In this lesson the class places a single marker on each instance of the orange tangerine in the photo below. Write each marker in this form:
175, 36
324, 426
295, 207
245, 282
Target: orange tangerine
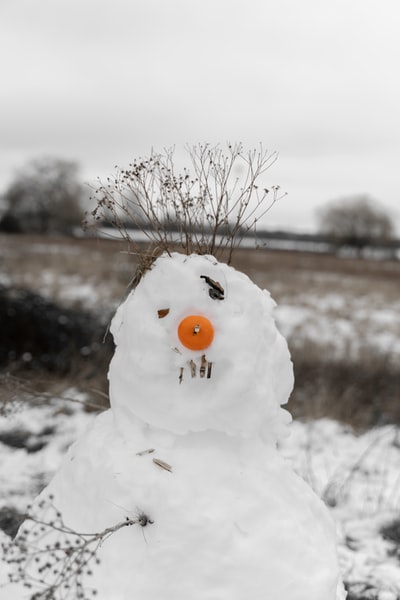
196, 332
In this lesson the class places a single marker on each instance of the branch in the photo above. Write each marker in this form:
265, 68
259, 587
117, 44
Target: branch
206, 208
50, 558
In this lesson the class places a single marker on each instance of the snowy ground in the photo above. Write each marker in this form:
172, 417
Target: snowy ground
358, 477
343, 324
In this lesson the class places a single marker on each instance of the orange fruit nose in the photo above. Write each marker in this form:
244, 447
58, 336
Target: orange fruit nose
196, 332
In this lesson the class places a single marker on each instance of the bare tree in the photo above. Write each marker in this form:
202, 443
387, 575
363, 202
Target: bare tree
355, 221
44, 197
206, 207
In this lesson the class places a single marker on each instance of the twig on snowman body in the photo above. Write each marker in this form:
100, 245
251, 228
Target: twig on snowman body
162, 464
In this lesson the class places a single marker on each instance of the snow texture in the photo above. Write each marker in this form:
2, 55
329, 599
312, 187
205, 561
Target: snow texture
251, 370
225, 516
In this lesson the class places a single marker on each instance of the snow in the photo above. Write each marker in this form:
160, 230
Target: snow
321, 320
356, 475
24, 473
248, 380
68, 288
189, 447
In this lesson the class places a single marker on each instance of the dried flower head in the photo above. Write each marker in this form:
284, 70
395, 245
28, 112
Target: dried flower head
205, 208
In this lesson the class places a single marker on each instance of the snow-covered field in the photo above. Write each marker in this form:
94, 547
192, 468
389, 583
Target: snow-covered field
357, 474
342, 323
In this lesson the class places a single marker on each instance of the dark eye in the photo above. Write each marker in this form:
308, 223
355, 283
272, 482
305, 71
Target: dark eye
216, 291
162, 312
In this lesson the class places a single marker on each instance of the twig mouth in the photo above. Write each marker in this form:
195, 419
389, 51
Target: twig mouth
202, 370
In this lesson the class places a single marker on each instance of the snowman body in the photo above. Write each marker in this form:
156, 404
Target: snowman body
189, 449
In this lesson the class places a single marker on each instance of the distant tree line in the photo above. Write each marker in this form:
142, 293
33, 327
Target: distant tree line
45, 197
357, 222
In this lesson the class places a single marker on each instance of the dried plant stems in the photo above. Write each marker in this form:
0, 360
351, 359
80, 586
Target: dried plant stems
52, 560
205, 209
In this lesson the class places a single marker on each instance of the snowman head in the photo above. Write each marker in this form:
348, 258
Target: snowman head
197, 349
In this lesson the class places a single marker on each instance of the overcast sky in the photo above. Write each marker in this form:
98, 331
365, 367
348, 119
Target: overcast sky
103, 81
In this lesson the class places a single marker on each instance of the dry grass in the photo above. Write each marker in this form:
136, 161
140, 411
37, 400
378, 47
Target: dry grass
110, 265
361, 388
288, 274
362, 392
50, 265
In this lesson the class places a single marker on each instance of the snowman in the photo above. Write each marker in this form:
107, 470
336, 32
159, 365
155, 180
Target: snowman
188, 451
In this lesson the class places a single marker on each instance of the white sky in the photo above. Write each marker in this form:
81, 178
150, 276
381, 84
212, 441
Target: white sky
101, 82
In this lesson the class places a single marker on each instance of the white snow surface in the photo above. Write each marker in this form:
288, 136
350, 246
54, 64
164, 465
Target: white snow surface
251, 376
230, 519
57, 422
358, 475
226, 516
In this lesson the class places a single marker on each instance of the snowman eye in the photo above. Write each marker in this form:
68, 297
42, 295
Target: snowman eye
162, 312
216, 291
